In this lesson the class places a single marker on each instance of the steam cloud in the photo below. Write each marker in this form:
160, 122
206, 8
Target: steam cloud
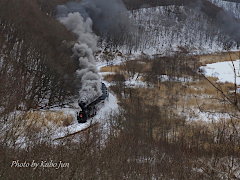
84, 51
109, 19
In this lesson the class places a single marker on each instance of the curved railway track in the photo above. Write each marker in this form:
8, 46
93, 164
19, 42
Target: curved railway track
87, 129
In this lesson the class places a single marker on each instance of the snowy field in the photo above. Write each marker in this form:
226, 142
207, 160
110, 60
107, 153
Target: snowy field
224, 71
52, 131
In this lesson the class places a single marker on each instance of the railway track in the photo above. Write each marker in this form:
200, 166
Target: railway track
78, 132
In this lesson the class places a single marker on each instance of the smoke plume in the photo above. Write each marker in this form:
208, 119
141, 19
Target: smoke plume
84, 50
110, 19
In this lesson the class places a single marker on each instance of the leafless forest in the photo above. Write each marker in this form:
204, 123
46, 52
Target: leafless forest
153, 134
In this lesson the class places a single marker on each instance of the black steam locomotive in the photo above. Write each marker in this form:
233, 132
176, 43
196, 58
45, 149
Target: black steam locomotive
90, 110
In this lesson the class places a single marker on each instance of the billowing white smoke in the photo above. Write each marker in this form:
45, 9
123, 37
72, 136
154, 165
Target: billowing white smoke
84, 51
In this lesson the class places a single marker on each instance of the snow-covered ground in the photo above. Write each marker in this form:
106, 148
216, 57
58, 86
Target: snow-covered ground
51, 131
135, 83
195, 114
109, 106
224, 71
164, 78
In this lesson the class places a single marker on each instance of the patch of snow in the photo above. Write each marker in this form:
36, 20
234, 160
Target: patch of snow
164, 78
197, 115
110, 105
101, 62
135, 83
224, 71
106, 73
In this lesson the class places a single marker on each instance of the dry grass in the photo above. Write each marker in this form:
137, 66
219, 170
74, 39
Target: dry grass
204, 87
109, 78
199, 94
192, 95
115, 68
218, 57
44, 118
